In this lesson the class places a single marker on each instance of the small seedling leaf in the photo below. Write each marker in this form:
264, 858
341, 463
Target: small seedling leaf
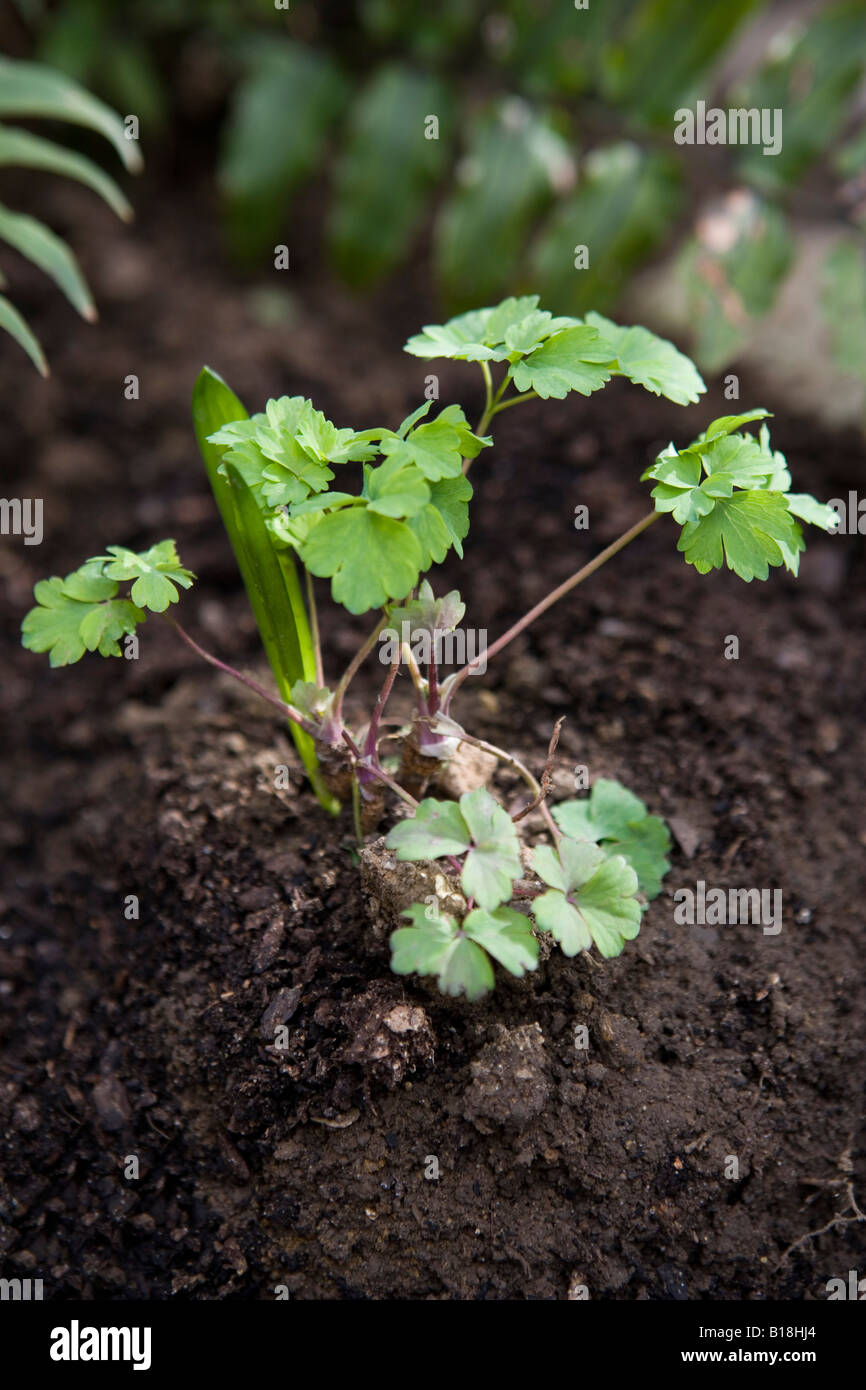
650, 361
617, 820
591, 900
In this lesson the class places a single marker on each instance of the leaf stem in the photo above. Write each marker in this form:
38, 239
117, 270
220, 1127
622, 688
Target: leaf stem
314, 627
356, 812
454, 682
379, 772
416, 677
514, 400
488, 396
288, 710
372, 739
538, 791
355, 664
494, 403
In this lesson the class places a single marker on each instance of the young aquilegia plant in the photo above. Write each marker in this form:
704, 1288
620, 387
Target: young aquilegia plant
273, 477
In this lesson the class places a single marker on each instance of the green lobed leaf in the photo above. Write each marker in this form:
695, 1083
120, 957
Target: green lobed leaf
572, 360
54, 625
591, 898
729, 461
479, 828
650, 361
750, 532
461, 339
369, 558
506, 935
283, 453
493, 862
619, 822
434, 945
438, 446
804, 506
106, 622
436, 829
315, 701
729, 424
156, 573
395, 488
508, 330
430, 614
449, 503
749, 535
78, 614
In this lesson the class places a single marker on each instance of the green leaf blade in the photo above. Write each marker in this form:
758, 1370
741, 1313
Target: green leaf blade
24, 149
17, 327
32, 239
436, 829
650, 361
35, 90
573, 360
493, 862
618, 821
506, 935
368, 557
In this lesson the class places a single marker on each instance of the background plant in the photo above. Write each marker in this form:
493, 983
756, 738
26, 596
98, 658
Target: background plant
554, 129
32, 91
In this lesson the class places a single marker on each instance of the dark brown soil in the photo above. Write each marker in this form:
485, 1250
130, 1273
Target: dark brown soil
309, 1168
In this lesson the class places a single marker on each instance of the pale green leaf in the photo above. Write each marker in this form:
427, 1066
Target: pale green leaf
749, 532
46, 250
34, 90
24, 149
619, 822
13, 324
573, 360
493, 861
506, 935
370, 558
650, 361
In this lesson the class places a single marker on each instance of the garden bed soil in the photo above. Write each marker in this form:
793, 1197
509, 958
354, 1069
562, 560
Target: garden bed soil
312, 1169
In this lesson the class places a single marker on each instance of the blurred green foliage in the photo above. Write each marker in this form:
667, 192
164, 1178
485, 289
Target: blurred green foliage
387, 171
269, 150
844, 299
343, 94
33, 91
623, 207
732, 269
